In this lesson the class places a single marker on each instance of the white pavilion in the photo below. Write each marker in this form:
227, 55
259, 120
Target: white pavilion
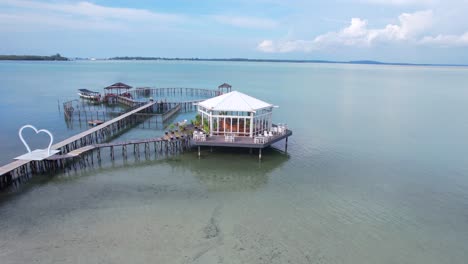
236, 114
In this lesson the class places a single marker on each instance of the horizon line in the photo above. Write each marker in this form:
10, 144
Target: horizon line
362, 61
365, 62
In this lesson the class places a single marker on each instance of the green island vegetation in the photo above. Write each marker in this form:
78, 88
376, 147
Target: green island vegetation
56, 57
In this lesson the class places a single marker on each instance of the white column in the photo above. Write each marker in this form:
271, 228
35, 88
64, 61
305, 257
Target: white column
211, 123
251, 124
271, 121
263, 124
245, 125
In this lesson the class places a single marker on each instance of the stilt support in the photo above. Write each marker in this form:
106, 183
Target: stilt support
286, 146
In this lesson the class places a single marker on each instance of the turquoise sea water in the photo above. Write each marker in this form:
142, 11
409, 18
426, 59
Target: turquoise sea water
377, 171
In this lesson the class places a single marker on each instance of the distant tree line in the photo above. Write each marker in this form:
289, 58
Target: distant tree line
211, 59
56, 57
150, 58
281, 60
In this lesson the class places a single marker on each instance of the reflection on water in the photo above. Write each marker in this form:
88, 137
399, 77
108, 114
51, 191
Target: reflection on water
223, 171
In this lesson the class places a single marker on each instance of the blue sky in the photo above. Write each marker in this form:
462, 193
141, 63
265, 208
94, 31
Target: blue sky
418, 31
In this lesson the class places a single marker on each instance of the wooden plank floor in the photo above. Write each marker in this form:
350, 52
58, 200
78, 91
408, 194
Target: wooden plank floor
13, 165
240, 142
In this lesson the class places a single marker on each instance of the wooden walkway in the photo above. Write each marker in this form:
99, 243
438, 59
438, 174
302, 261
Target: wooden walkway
99, 127
83, 150
12, 166
60, 145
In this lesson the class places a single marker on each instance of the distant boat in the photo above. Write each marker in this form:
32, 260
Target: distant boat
95, 122
90, 95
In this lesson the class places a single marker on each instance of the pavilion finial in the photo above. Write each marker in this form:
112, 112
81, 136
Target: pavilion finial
225, 88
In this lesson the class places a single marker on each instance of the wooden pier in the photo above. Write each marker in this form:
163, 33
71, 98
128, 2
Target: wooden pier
76, 110
98, 134
160, 145
79, 150
150, 119
175, 91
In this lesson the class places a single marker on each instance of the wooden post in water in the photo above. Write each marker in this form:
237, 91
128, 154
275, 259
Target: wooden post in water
286, 145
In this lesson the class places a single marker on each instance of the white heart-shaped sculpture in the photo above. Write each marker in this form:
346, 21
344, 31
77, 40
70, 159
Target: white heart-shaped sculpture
20, 133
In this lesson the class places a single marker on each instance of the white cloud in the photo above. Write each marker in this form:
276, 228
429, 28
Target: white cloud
246, 22
266, 46
88, 9
32, 21
33, 15
269, 46
81, 15
401, 2
410, 27
358, 33
446, 40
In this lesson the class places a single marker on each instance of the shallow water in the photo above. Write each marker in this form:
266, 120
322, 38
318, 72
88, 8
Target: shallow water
376, 171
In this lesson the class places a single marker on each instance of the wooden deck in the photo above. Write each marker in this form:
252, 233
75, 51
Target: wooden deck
240, 142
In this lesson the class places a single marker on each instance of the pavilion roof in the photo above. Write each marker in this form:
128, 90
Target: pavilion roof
225, 85
118, 85
234, 101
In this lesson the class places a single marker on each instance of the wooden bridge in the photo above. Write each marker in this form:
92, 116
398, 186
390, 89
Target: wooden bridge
175, 91
148, 119
160, 144
84, 156
168, 101
95, 135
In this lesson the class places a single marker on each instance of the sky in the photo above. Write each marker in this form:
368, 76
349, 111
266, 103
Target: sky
415, 31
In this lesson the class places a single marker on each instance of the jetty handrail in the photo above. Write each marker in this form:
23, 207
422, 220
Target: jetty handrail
18, 163
101, 126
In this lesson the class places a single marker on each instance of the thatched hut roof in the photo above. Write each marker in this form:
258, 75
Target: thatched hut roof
118, 85
225, 85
